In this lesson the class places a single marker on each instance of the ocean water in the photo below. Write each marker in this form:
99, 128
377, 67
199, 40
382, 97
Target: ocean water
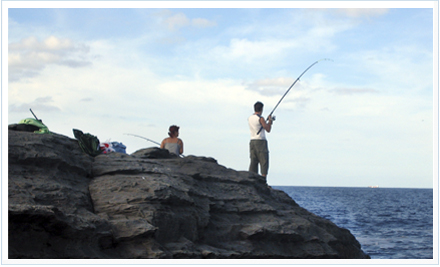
389, 223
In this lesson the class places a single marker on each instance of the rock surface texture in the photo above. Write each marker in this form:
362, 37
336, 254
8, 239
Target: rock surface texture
64, 203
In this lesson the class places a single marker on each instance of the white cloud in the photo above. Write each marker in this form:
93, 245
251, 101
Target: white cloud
175, 21
274, 86
397, 69
253, 51
352, 91
41, 104
204, 92
30, 56
362, 12
203, 23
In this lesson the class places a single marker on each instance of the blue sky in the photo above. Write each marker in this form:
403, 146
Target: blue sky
364, 118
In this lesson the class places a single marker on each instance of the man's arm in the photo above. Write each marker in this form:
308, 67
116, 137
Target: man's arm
266, 126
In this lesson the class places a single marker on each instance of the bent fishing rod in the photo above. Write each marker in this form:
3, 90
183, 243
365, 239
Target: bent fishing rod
297, 79
144, 138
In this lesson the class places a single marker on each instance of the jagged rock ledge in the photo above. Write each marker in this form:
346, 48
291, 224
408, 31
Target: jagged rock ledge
148, 205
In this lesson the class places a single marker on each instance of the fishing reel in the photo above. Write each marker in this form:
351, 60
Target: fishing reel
273, 118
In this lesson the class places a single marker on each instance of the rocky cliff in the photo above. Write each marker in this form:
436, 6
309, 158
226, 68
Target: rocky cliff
64, 203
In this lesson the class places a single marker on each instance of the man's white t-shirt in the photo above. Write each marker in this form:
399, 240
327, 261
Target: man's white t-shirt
255, 126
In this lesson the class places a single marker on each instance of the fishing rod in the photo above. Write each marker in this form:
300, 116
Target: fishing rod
144, 138
297, 79
35, 115
181, 155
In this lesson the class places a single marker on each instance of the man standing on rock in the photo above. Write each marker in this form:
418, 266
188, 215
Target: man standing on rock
259, 152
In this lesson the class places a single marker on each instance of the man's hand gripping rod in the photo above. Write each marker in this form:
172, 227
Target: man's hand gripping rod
297, 79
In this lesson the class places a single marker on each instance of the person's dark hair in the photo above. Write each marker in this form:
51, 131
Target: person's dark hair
173, 130
258, 106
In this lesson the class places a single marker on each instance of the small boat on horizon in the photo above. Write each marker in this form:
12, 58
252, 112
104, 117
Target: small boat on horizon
373, 186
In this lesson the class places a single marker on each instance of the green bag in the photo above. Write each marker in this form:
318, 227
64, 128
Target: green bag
37, 123
88, 143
